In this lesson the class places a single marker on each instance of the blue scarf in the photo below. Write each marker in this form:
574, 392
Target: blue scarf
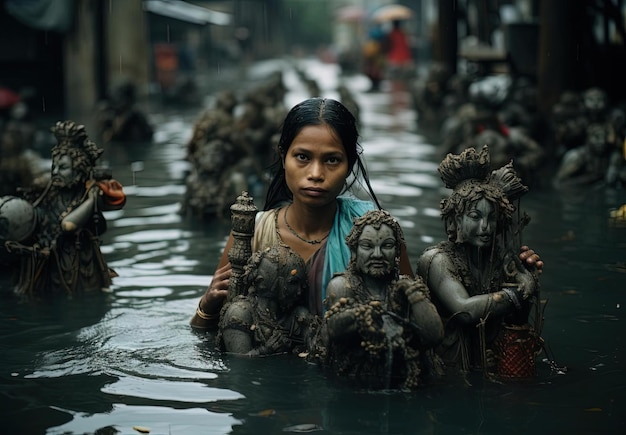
337, 252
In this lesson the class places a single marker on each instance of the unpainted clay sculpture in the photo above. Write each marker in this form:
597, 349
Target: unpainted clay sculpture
378, 326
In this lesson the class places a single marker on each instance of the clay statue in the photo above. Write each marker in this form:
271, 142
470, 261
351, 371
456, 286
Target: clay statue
589, 163
62, 252
119, 119
378, 326
271, 317
482, 291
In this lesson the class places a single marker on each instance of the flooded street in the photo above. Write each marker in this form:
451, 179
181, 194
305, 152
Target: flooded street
102, 365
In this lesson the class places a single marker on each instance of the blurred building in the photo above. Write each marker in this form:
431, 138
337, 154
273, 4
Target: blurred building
70, 52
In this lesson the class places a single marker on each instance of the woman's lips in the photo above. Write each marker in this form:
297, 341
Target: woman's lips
314, 192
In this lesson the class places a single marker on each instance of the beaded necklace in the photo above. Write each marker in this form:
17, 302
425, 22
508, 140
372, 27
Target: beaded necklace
292, 231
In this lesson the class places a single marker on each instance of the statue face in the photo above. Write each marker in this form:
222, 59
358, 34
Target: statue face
62, 171
266, 280
376, 251
285, 290
594, 100
478, 224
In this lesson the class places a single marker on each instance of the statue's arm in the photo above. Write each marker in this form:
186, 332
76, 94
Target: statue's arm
455, 297
101, 196
340, 324
572, 163
81, 215
425, 317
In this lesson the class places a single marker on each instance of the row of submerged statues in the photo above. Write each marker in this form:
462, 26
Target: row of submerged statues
472, 305
230, 146
50, 230
379, 328
583, 138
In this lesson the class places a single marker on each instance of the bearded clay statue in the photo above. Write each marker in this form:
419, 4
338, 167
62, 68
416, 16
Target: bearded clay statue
379, 327
62, 254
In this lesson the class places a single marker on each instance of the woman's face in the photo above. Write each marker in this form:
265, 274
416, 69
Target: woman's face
62, 171
316, 166
478, 224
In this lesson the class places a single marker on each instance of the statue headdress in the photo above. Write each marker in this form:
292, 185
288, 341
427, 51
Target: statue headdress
72, 140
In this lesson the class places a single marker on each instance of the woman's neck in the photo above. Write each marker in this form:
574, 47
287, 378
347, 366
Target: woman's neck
309, 220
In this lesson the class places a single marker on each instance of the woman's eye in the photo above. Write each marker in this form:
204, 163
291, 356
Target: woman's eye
334, 160
301, 157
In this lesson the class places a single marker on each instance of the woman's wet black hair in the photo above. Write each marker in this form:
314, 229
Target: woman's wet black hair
317, 111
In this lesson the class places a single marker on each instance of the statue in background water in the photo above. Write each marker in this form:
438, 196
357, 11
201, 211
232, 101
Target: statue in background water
62, 253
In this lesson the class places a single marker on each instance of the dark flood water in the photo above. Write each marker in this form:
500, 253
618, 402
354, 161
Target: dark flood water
105, 363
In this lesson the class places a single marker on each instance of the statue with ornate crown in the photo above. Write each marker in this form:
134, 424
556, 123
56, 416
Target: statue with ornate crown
50, 238
488, 299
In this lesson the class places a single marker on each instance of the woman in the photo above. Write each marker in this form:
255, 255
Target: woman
319, 161
477, 282
305, 208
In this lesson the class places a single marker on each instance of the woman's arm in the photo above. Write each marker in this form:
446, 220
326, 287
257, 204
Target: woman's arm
208, 310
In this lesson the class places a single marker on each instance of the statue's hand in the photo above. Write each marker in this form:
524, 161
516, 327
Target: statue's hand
527, 284
278, 342
525, 279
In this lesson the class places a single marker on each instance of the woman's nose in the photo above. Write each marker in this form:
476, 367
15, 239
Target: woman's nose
316, 170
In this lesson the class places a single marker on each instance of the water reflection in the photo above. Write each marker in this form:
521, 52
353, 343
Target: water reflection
129, 357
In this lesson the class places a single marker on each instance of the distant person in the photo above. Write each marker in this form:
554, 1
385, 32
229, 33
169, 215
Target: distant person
399, 57
374, 57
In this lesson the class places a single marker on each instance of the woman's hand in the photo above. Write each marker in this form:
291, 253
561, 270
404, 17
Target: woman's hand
531, 260
212, 301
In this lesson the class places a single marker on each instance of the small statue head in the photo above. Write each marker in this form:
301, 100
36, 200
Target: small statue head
277, 273
595, 100
74, 156
375, 241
